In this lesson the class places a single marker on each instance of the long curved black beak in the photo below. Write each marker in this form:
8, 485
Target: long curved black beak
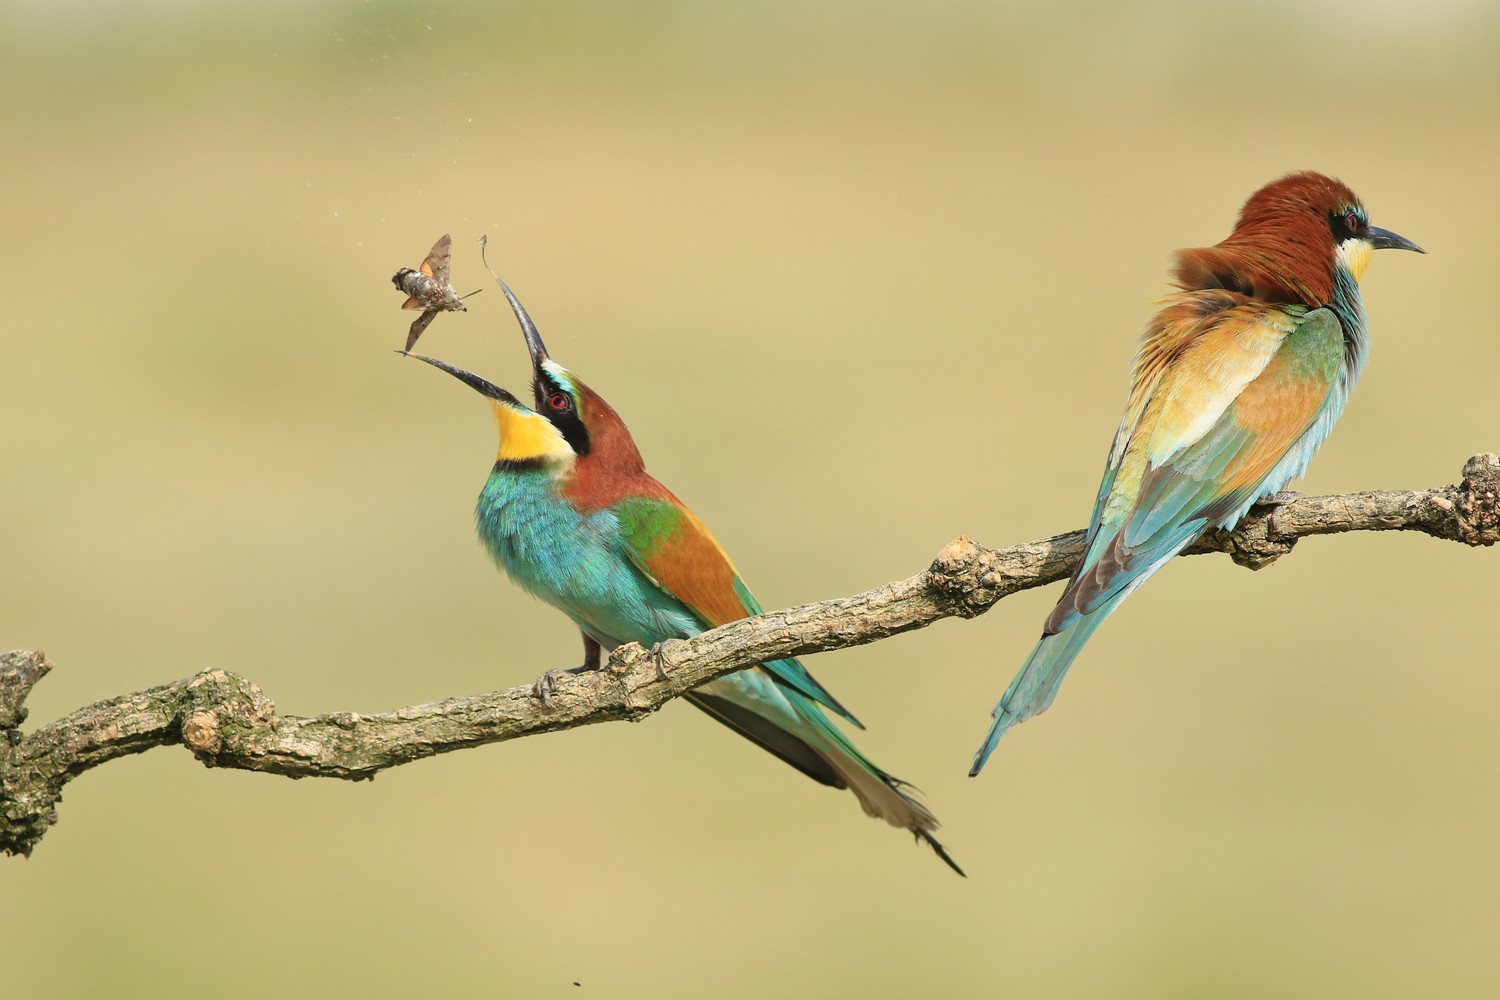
533, 338
528, 328
481, 385
1384, 239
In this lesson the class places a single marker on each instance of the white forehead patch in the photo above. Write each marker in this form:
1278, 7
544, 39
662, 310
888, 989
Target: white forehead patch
558, 372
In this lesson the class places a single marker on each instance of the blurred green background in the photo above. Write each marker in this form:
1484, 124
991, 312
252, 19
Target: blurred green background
861, 277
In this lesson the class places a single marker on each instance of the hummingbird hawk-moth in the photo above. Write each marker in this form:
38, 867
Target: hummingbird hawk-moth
428, 289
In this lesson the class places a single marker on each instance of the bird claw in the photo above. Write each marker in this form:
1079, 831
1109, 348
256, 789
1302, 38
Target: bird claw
659, 660
1278, 499
542, 689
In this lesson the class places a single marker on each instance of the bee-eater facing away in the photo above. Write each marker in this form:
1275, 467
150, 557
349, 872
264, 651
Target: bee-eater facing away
571, 515
1236, 382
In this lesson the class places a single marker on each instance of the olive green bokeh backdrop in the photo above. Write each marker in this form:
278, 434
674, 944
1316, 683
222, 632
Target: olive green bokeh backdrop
861, 277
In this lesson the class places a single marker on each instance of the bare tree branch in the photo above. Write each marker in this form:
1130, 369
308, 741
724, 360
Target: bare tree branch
226, 721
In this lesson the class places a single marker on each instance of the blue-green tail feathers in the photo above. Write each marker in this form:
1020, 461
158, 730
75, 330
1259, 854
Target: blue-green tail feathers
809, 741
917, 819
791, 672
1110, 572
1036, 684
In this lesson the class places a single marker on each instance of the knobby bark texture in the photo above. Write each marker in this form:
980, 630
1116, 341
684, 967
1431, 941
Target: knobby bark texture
225, 720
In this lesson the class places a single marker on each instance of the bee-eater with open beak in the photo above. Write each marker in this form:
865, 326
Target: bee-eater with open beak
1236, 382
570, 514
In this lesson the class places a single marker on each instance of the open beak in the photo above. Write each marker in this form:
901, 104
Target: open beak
533, 339
1384, 239
534, 345
481, 385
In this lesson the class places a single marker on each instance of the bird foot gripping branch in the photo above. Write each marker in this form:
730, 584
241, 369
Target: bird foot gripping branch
1255, 542
659, 658
544, 685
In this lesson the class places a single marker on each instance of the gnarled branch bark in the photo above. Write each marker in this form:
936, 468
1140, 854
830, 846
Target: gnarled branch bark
225, 720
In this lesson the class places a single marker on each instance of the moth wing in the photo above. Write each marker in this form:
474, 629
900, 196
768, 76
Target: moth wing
436, 264
417, 326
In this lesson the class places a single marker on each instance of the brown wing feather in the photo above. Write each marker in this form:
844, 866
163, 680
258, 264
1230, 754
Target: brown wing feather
692, 566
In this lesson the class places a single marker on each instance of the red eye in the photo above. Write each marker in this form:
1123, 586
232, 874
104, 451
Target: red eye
1351, 222
559, 402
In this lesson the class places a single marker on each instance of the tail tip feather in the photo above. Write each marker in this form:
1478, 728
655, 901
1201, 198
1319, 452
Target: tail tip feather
1003, 721
939, 850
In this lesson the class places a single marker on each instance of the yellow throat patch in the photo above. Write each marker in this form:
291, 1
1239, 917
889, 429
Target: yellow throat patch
1355, 256
525, 435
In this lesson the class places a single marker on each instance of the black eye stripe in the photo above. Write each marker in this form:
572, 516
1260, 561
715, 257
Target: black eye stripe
557, 404
1346, 225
